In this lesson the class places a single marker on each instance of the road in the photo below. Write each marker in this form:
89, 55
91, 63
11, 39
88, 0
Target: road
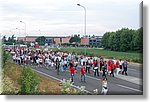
118, 85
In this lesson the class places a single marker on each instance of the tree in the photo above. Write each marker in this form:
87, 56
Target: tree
10, 40
41, 40
138, 40
4, 39
105, 40
123, 40
111, 42
13, 38
116, 40
75, 39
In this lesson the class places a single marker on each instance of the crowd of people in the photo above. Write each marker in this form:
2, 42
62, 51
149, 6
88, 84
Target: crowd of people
62, 61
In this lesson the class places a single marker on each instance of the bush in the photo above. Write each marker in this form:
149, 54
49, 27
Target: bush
5, 57
68, 89
28, 81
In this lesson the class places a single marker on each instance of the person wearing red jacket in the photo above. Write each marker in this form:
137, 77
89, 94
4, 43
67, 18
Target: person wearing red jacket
72, 72
109, 66
112, 69
109, 62
83, 72
117, 67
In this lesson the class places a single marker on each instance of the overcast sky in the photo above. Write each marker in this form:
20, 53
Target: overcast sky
64, 17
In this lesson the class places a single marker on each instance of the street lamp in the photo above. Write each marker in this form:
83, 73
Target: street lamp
84, 18
18, 30
24, 28
40, 31
84, 21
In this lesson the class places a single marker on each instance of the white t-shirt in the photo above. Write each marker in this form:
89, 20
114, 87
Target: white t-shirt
104, 83
40, 60
114, 61
14, 57
82, 60
65, 62
120, 62
47, 60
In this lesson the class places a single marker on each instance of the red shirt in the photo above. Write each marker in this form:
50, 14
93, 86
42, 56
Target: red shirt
72, 61
112, 66
109, 63
94, 63
30, 53
82, 70
72, 70
109, 68
117, 64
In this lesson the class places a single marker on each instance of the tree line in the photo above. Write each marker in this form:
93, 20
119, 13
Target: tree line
10, 40
123, 40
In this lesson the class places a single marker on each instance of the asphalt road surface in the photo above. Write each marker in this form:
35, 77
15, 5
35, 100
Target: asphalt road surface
118, 85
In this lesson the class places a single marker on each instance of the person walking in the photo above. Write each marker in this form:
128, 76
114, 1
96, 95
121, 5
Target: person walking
88, 66
104, 86
104, 69
125, 64
101, 63
117, 68
57, 65
120, 64
83, 72
65, 65
72, 72
112, 69
95, 65
109, 66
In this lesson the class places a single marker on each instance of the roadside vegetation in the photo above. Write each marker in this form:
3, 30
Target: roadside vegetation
23, 80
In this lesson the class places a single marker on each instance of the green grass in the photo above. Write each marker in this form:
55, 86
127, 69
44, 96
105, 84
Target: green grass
129, 56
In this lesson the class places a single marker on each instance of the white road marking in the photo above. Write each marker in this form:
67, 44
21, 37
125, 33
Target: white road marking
132, 69
129, 88
124, 78
130, 79
93, 78
58, 79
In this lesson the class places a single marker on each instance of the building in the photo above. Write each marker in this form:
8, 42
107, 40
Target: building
65, 39
49, 39
57, 40
95, 41
27, 38
84, 41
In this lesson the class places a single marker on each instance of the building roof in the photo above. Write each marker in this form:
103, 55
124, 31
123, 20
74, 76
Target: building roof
46, 37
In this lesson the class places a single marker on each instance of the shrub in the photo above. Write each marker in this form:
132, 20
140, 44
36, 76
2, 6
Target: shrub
5, 57
68, 89
28, 81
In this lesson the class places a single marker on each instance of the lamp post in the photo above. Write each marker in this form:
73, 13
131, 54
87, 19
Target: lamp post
40, 31
19, 34
84, 21
24, 28
18, 30
84, 17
